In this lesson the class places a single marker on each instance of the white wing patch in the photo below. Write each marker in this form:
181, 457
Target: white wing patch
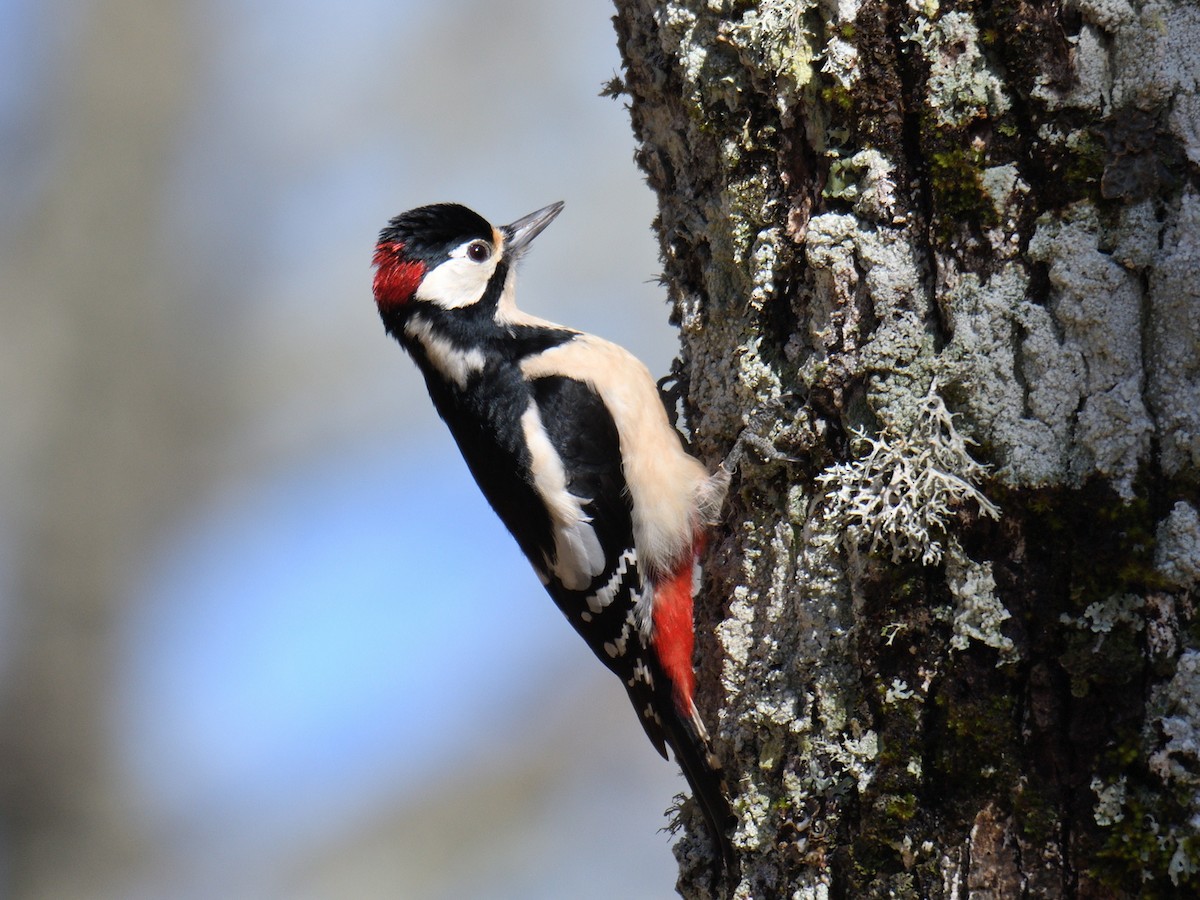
578, 556
454, 363
666, 484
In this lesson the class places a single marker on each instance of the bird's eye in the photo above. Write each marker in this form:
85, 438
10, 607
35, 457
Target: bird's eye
478, 251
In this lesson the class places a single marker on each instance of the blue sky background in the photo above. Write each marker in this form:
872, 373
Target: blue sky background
327, 626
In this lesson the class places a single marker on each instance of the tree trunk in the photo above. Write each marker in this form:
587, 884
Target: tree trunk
940, 260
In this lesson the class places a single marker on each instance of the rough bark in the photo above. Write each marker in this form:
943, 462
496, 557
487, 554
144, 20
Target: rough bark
941, 258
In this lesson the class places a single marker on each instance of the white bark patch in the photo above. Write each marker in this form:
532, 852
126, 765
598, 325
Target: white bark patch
1177, 548
1173, 391
1097, 305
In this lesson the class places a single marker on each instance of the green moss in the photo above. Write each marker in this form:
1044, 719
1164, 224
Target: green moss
838, 97
1102, 650
1036, 813
782, 806
979, 738
1099, 550
1145, 856
1084, 164
1128, 565
956, 176
1109, 540
900, 807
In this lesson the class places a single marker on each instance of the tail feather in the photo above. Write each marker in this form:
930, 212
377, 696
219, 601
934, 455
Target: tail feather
672, 642
651, 653
693, 753
656, 701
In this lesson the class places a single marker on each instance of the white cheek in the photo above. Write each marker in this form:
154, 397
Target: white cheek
456, 283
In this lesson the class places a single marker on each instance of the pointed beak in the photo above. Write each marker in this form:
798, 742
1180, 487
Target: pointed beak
518, 234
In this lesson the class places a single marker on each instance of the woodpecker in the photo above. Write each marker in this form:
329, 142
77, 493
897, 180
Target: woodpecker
568, 439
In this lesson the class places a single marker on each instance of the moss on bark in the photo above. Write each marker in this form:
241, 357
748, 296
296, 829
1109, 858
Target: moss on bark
861, 199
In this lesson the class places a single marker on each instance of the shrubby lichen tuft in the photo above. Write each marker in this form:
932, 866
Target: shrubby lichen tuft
901, 495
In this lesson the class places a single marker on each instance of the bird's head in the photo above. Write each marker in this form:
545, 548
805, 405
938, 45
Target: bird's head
448, 256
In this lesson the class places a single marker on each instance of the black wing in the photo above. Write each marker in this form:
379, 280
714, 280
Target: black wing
585, 437
604, 614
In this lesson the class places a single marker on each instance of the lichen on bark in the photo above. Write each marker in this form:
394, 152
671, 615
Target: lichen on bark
863, 198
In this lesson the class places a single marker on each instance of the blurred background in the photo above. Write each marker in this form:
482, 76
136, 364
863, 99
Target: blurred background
259, 635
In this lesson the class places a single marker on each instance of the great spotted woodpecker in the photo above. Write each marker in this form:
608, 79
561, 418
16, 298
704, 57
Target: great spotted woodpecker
569, 441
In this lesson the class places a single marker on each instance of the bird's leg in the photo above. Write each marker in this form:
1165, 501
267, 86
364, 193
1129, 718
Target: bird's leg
673, 388
751, 439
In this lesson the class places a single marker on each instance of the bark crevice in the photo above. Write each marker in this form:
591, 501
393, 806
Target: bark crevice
997, 198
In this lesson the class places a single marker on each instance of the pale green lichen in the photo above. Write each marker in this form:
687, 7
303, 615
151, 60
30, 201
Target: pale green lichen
1110, 801
1103, 616
763, 259
1096, 301
962, 87
916, 31
1143, 54
855, 754
1002, 184
869, 297
1184, 122
901, 495
841, 62
867, 180
979, 614
1156, 51
1175, 734
1025, 422
1108, 14
818, 891
1173, 385
897, 691
1172, 732
772, 32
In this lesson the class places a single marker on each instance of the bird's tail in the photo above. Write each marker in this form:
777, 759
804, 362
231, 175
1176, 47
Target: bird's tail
667, 724
693, 752
673, 692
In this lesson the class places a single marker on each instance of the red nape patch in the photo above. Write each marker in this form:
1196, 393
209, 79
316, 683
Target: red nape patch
396, 278
674, 636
